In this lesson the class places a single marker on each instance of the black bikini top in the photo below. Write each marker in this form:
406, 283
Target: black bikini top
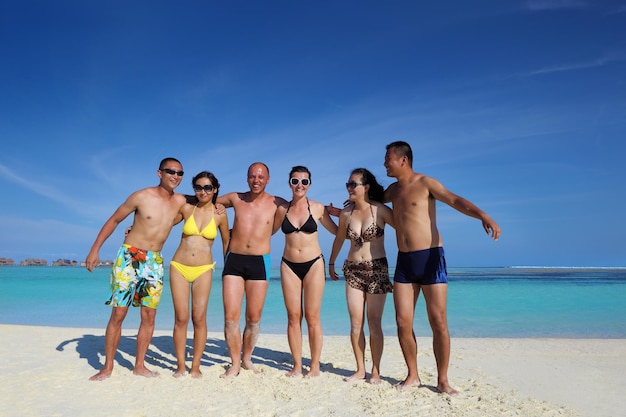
310, 226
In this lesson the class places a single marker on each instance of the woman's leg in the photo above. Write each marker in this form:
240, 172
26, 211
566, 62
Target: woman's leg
292, 293
180, 298
313, 291
356, 308
200, 292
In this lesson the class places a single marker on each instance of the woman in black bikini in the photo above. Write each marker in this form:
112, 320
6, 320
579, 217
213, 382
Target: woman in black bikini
366, 271
302, 272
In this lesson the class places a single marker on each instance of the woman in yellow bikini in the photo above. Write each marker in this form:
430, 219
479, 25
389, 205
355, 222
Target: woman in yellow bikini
193, 264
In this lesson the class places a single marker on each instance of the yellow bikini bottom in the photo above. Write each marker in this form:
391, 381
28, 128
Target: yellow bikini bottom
191, 273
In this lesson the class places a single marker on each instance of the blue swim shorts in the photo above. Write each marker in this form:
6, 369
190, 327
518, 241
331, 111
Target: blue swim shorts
423, 267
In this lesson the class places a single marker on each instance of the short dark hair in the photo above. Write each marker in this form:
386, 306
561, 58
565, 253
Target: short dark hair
166, 160
376, 191
402, 148
299, 168
212, 178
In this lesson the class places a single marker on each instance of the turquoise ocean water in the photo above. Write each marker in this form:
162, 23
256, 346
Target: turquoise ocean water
482, 302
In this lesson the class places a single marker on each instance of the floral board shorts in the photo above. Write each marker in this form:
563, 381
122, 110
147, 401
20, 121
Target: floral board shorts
136, 278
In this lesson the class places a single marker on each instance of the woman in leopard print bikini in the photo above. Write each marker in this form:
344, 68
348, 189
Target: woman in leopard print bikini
365, 269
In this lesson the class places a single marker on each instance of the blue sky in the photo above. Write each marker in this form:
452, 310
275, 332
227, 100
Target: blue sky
519, 106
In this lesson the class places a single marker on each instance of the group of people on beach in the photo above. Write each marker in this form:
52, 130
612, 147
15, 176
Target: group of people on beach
137, 274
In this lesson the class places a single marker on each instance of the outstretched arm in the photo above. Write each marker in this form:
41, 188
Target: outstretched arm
464, 206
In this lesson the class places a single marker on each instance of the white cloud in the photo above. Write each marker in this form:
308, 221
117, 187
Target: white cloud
577, 66
538, 5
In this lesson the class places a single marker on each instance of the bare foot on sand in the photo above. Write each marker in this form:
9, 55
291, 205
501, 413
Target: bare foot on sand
294, 373
230, 373
447, 389
179, 373
374, 380
408, 383
313, 373
355, 377
195, 373
102, 375
247, 364
145, 372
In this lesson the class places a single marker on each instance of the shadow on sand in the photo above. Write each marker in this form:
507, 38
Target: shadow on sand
161, 354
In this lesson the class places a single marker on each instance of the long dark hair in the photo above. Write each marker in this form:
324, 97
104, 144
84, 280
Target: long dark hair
376, 191
212, 178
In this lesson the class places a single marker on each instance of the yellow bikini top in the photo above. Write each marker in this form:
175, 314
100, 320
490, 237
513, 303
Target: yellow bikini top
190, 228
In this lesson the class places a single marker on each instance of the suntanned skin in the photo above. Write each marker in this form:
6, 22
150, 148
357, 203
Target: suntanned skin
250, 235
303, 296
414, 198
195, 250
155, 210
360, 303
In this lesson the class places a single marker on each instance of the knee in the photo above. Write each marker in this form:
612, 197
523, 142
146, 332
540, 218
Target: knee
198, 319
294, 318
438, 322
181, 320
376, 329
253, 325
404, 323
313, 320
231, 324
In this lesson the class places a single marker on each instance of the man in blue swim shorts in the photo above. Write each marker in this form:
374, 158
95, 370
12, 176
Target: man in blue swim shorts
137, 276
421, 265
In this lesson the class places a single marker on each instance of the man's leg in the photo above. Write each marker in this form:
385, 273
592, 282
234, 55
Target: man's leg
232, 292
111, 341
436, 306
256, 290
144, 336
404, 299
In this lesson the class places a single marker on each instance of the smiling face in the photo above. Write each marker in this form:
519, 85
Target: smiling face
394, 162
356, 189
297, 183
204, 189
258, 178
171, 174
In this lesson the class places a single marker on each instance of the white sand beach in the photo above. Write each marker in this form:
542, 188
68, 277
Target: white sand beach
45, 371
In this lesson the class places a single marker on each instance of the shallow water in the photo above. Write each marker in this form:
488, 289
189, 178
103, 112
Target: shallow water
482, 302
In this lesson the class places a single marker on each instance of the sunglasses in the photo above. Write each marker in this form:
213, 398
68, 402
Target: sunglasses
296, 181
207, 188
353, 184
172, 172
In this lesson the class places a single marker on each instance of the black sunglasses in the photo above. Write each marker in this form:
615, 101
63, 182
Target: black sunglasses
172, 172
208, 188
352, 184
295, 181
